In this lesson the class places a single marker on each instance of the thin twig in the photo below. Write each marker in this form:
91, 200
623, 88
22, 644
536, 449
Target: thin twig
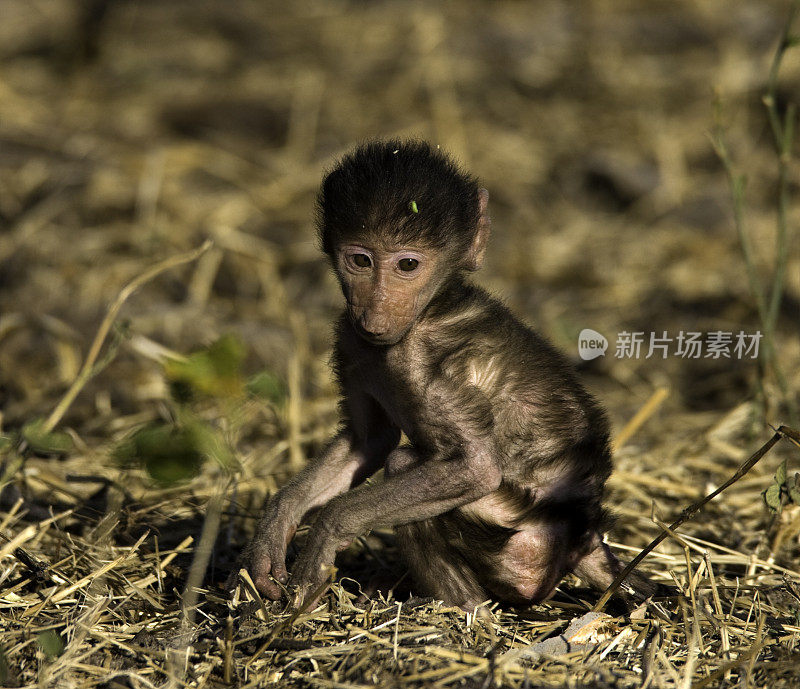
639, 418
693, 509
87, 370
783, 134
768, 303
202, 556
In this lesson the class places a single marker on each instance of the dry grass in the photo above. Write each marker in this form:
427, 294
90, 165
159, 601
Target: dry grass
611, 211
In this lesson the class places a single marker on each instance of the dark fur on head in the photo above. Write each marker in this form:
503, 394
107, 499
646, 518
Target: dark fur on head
371, 191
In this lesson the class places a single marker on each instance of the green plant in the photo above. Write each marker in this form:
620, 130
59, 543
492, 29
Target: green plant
782, 126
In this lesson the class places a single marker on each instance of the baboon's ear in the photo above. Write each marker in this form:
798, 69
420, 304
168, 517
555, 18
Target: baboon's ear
477, 249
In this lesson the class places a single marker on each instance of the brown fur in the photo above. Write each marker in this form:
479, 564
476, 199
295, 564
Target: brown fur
500, 492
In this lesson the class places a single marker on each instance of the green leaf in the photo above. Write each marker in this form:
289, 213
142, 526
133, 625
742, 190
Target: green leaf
214, 371
794, 489
413, 206
209, 442
167, 452
268, 386
50, 643
52, 443
174, 452
780, 474
6, 443
772, 497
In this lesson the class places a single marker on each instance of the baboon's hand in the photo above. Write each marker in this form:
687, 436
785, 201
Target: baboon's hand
314, 565
266, 556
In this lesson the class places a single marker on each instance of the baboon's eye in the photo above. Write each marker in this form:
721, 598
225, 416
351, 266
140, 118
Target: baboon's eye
361, 260
407, 264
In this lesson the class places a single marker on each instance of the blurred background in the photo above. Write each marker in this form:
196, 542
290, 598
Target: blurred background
133, 130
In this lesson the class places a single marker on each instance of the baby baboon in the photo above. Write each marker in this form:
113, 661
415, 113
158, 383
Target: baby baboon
499, 492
